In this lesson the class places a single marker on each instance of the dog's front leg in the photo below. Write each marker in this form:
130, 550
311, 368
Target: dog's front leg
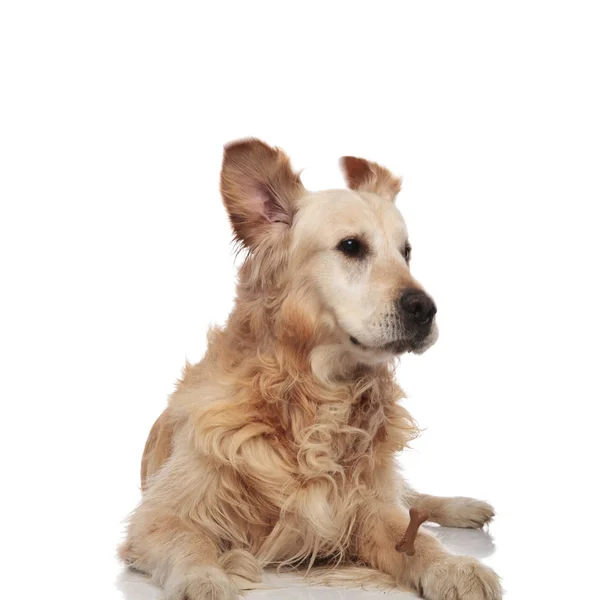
182, 560
432, 571
454, 511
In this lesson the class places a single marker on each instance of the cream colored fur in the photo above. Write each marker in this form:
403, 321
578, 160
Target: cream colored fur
279, 447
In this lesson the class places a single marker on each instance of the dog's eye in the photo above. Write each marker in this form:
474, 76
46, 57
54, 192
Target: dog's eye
407, 252
352, 247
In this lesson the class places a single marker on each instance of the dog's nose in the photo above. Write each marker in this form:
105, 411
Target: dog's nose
418, 305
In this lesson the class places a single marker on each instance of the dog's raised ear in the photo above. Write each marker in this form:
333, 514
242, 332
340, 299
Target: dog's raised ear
366, 176
259, 190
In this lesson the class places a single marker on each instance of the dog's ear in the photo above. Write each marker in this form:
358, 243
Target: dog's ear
259, 190
366, 176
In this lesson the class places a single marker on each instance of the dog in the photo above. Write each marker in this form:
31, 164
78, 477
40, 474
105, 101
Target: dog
279, 447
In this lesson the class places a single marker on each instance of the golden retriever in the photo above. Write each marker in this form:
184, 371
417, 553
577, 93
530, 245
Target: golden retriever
279, 446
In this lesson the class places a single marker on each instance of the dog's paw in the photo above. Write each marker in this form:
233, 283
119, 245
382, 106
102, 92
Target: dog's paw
201, 583
465, 512
461, 577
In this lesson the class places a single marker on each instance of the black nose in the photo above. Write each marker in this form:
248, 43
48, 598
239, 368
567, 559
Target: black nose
418, 305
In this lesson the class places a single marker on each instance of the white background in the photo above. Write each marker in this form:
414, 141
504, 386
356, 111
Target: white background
116, 256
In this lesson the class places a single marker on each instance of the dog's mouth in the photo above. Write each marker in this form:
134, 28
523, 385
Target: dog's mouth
418, 346
395, 347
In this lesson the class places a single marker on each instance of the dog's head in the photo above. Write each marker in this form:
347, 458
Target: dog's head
343, 254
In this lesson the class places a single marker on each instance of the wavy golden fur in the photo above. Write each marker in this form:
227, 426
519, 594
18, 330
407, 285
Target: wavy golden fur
278, 448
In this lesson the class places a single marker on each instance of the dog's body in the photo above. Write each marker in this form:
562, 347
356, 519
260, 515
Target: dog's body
278, 447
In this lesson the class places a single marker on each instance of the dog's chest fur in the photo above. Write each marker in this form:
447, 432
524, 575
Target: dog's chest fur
339, 436
307, 456
333, 460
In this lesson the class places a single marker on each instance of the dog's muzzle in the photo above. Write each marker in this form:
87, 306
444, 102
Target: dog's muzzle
413, 327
